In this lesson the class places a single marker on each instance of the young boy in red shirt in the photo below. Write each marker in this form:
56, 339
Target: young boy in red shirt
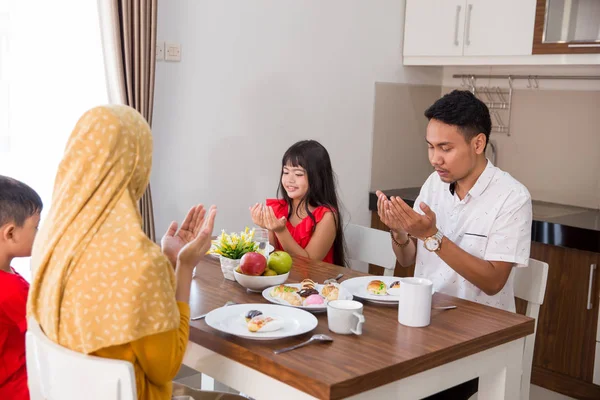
20, 208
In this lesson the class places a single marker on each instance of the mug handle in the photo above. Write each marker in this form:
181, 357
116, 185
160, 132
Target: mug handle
361, 320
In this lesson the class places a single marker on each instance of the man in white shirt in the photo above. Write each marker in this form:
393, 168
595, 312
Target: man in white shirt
471, 223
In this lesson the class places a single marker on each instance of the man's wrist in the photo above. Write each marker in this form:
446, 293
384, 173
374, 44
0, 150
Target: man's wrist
434, 242
399, 234
399, 238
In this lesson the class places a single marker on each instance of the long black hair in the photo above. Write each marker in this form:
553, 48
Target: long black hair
322, 188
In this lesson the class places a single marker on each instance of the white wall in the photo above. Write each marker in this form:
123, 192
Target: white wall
256, 76
558, 114
400, 157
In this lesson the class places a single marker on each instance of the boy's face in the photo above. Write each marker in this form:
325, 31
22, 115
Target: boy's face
18, 240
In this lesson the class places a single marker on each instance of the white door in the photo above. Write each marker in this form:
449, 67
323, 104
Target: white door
499, 28
434, 27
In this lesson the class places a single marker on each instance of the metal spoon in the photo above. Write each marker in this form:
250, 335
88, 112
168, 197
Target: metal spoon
337, 278
229, 303
314, 338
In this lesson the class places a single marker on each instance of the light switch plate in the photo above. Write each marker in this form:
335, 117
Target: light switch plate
172, 52
160, 51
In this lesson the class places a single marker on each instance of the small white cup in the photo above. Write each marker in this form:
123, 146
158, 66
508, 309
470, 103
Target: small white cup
414, 302
345, 317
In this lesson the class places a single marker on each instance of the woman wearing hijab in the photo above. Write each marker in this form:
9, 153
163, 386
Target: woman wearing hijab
100, 286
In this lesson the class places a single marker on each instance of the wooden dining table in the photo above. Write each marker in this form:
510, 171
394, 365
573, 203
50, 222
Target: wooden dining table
388, 360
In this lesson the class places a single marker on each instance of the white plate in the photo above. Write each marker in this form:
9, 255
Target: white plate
232, 320
344, 295
358, 288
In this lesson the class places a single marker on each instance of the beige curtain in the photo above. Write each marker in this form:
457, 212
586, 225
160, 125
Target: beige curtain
128, 30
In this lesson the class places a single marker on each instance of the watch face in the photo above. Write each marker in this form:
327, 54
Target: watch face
431, 244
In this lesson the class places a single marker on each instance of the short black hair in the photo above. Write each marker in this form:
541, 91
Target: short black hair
462, 109
17, 201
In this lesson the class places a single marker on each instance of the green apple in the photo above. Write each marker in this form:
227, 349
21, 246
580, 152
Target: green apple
269, 272
280, 262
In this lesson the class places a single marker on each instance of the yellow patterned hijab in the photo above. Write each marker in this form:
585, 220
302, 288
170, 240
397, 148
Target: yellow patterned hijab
98, 280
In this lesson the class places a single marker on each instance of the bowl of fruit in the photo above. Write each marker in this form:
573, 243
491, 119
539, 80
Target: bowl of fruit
256, 273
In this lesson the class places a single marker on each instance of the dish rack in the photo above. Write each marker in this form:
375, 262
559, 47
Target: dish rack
497, 99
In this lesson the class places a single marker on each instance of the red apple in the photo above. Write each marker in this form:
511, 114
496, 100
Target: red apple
253, 264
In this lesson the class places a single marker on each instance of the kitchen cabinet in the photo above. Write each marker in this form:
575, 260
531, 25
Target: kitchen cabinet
565, 344
469, 27
434, 28
567, 27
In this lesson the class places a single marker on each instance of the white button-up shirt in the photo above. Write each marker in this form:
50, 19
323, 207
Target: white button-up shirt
492, 222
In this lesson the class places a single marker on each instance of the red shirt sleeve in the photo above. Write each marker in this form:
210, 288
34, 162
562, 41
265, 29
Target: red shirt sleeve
320, 212
13, 302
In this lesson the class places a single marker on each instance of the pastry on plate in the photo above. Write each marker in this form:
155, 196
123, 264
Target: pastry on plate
331, 291
395, 285
277, 291
314, 300
377, 287
291, 297
307, 284
307, 292
251, 314
333, 294
262, 323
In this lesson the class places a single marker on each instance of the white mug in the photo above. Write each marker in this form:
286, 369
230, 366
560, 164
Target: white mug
414, 302
345, 317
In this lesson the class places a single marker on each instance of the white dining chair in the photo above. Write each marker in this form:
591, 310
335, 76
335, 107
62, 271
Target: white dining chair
370, 245
530, 285
57, 373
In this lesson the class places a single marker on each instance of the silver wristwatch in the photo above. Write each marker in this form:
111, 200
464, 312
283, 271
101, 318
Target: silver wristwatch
434, 243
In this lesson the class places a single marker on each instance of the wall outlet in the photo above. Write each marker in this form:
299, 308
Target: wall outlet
172, 52
160, 51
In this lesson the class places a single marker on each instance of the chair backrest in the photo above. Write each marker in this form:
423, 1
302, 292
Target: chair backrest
370, 245
57, 373
530, 285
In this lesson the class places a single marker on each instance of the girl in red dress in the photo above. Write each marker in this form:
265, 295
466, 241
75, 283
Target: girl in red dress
305, 221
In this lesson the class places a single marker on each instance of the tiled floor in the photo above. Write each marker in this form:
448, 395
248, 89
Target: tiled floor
192, 378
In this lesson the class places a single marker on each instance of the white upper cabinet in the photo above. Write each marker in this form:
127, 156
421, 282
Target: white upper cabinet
499, 27
474, 31
434, 27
